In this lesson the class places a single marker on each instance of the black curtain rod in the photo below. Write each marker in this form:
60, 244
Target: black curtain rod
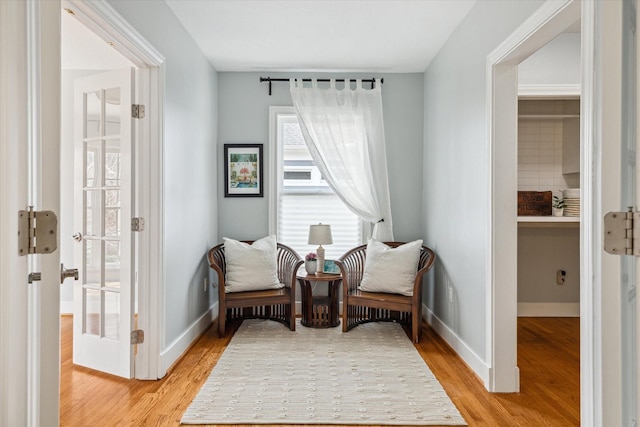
269, 79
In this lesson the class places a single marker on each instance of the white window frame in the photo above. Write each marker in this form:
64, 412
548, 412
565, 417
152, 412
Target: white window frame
276, 170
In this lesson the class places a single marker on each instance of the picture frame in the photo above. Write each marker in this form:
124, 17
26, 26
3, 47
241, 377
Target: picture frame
330, 267
243, 170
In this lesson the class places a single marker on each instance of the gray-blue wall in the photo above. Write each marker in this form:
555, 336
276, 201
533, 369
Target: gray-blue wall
244, 118
456, 158
190, 179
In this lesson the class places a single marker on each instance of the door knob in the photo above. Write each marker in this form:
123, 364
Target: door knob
68, 272
77, 236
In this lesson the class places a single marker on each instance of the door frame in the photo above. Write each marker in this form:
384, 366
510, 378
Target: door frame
16, 407
502, 97
102, 19
29, 153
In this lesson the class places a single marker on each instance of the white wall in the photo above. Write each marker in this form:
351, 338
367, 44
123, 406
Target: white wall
541, 252
456, 153
190, 177
244, 118
557, 63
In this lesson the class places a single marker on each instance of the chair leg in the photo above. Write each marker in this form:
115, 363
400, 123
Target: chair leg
221, 324
345, 317
415, 325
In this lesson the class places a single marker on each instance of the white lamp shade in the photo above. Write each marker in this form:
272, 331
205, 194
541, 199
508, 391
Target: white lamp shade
320, 234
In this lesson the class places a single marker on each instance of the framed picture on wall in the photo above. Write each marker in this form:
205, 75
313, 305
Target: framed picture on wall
243, 170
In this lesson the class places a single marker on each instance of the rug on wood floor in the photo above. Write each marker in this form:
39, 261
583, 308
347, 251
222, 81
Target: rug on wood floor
370, 375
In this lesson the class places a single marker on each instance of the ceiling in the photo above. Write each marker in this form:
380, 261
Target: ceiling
393, 36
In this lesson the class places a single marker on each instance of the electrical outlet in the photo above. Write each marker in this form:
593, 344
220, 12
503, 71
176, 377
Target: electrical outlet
560, 275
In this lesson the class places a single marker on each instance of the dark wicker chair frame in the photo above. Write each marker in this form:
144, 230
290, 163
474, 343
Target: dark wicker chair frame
273, 304
361, 307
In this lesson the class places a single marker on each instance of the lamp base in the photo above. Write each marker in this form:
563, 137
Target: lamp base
320, 252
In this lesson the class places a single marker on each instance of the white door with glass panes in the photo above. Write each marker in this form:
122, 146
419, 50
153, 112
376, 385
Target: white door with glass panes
103, 295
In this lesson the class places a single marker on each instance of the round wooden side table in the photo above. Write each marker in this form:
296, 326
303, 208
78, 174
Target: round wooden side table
319, 311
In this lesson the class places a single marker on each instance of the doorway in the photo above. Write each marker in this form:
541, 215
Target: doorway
502, 94
104, 41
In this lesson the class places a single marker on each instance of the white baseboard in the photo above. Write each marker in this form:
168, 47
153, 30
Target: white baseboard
66, 307
548, 309
476, 364
177, 348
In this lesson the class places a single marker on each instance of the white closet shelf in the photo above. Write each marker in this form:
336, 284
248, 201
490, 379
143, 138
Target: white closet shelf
548, 221
549, 116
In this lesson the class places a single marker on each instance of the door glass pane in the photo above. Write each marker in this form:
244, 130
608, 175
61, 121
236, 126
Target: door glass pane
94, 108
92, 263
111, 222
92, 154
112, 111
112, 263
112, 315
112, 164
112, 213
92, 212
92, 311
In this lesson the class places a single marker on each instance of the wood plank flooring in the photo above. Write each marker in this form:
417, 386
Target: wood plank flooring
548, 358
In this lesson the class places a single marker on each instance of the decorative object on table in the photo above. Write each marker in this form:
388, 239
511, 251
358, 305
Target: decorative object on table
371, 376
571, 198
243, 170
311, 263
558, 206
330, 267
320, 234
534, 203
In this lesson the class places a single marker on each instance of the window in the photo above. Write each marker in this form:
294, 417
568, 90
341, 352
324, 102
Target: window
299, 196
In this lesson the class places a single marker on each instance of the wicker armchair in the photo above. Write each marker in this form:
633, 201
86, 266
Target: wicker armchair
273, 304
361, 307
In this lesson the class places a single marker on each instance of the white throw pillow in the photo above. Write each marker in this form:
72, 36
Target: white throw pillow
251, 267
391, 270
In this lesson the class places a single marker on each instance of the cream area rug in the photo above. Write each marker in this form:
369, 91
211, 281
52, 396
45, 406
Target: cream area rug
370, 375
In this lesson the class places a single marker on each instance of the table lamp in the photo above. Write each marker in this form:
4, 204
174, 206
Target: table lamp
320, 235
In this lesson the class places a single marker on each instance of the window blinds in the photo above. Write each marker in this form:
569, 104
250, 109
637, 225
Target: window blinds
296, 212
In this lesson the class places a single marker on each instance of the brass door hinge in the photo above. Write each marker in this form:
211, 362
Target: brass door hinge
137, 224
137, 336
37, 232
137, 111
621, 237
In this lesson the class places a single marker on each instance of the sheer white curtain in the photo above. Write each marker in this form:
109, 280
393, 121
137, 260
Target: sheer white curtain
344, 131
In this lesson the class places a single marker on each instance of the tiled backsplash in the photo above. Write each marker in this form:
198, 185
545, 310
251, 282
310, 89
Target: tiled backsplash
540, 156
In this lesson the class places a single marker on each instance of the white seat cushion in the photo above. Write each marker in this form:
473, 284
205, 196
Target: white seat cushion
251, 267
391, 270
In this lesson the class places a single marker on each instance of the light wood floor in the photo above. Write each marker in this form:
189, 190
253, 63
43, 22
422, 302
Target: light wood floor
548, 358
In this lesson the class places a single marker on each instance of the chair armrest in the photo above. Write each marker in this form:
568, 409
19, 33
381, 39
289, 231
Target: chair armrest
218, 262
425, 262
288, 262
351, 266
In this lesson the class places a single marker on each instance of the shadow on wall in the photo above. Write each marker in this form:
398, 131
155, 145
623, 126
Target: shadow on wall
201, 291
442, 297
